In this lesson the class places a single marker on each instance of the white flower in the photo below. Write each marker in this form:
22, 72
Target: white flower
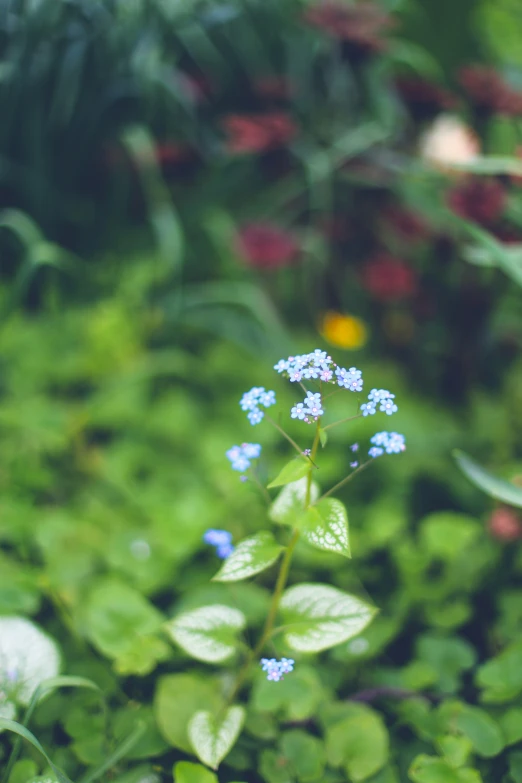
27, 658
449, 142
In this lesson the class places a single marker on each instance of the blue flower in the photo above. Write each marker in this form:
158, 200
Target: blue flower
221, 539
251, 400
349, 379
276, 669
392, 442
354, 464
354, 447
298, 411
240, 456
313, 404
381, 397
316, 364
375, 452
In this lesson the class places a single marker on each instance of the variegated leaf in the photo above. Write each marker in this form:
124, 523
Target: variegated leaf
325, 526
209, 633
252, 555
288, 506
213, 737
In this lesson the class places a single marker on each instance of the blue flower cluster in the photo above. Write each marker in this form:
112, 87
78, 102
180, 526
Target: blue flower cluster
381, 397
389, 442
251, 400
318, 365
222, 540
309, 410
240, 456
276, 669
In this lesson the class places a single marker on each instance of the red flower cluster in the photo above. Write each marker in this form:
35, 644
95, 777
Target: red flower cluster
479, 199
266, 246
363, 25
258, 132
388, 279
489, 92
424, 99
504, 524
406, 224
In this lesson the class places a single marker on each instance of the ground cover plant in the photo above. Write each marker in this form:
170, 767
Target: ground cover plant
188, 192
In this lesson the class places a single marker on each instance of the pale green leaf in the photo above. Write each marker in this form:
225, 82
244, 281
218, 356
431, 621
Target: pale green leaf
320, 616
325, 526
213, 737
288, 506
491, 485
187, 772
178, 697
209, 633
359, 742
251, 556
491, 164
482, 731
431, 769
292, 471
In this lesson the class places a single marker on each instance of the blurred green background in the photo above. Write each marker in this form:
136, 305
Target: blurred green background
190, 191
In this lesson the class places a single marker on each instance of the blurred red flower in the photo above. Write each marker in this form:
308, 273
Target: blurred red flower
486, 88
266, 246
480, 199
424, 99
363, 25
258, 132
504, 524
406, 224
388, 278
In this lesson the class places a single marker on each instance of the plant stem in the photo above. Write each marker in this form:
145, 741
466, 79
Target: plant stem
345, 480
262, 488
282, 577
342, 421
281, 430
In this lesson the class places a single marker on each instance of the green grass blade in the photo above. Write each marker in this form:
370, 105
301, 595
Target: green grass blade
17, 728
491, 485
118, 754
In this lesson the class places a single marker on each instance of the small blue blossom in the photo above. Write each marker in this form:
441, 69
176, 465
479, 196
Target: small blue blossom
298, 411
381, 397
326, 375
251, 400
222, 540
309, 366
307, 452
375, 452
276, 669
281, 366
349, 379
240, 456
354, 464
392, 442
354, 447
314, 405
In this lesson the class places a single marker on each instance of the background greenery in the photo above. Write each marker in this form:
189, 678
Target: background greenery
132, 320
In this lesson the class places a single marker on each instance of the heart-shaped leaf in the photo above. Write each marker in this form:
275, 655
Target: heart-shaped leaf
209, 633
320, 616
250, 557
288, 506
325, 526
292, 471
212, 738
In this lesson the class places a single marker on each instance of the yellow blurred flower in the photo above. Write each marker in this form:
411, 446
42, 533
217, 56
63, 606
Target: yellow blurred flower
343, 331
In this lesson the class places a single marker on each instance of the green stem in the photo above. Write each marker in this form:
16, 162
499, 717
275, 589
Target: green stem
260, 485
281, 430
342, 421
345, 480
282, 578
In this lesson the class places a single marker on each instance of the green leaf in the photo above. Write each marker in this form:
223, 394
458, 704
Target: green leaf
320, 616
323, 437
187, 772
178, 697
455, 749
251, 556
430, 769
446, 534
325, 526
209, 633
491, 485
491, 164
305, 753
212, 738
502, 676
294, 470
511, 723
359, 742
288, 506
17, 728
116, 618
448, 657
483, 732
515, 766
